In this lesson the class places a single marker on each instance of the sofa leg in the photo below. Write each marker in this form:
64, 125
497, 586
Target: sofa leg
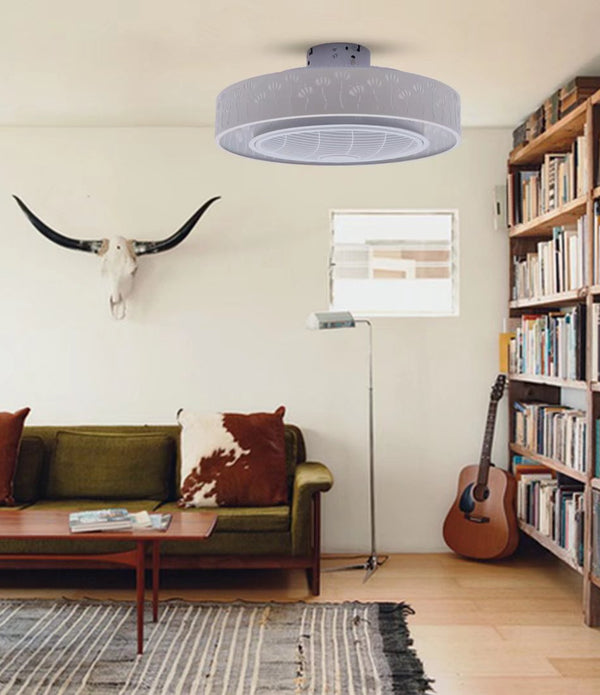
314, 580
313, 573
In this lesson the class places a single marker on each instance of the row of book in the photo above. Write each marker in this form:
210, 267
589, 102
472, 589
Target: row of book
562, 177
552, 504
556, 266
596, 533
594, 328
556, 106
596, 242
116, 519
551, 344
555, 431
597, 451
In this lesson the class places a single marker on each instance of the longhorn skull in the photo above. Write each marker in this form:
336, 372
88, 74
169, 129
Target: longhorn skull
119, 255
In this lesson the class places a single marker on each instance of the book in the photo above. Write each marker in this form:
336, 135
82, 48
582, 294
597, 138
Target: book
114, 519
160, 522
140, 520
156, 522
596, 533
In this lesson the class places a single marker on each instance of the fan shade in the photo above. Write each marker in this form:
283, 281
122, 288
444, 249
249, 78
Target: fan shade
338, 110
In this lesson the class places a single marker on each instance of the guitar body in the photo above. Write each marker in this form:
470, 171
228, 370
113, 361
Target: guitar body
482, 522
483, 529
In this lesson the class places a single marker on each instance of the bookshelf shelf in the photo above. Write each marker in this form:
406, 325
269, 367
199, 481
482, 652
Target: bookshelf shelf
549, 463
542, 226
551, 300
557, 138
535, 179
550, 545
549, 381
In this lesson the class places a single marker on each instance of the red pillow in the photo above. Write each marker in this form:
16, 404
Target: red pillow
11, 428
232, 460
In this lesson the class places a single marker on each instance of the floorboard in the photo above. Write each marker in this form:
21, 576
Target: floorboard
481, 628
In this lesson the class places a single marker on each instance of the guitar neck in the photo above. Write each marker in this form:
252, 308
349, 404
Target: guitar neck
486, 449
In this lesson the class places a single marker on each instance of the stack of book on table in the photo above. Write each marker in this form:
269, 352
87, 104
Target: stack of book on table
116, 519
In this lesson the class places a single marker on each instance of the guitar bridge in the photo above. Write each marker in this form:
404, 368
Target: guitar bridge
477, 519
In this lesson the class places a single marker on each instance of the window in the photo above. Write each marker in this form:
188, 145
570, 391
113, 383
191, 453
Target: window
394, 263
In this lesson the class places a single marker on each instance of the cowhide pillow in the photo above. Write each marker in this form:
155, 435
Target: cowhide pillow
11, 429
232, 460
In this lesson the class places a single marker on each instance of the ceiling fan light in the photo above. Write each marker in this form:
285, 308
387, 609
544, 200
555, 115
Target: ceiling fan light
338, 110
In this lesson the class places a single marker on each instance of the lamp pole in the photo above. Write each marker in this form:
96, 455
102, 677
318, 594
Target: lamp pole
372, 562
344, 319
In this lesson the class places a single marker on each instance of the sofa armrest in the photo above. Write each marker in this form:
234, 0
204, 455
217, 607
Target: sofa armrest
310, 477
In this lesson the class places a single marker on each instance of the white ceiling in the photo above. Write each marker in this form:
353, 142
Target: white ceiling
163, 62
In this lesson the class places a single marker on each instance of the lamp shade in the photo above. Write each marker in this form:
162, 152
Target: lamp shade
321, 320
338, 110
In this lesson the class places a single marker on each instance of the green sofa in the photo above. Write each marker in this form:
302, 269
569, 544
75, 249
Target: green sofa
90, 467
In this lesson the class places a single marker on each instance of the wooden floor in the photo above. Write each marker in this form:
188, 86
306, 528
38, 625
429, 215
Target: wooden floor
481, 629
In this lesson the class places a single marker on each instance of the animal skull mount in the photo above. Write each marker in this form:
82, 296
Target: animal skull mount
119, 255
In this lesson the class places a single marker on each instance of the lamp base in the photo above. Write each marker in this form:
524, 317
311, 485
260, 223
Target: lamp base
370, 565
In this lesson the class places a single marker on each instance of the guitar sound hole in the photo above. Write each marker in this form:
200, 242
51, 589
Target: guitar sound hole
481, 493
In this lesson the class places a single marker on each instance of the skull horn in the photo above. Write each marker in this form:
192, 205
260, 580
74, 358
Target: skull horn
143, 247
77, 244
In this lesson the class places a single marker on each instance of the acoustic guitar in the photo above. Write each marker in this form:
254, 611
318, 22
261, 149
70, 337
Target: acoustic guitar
482, 522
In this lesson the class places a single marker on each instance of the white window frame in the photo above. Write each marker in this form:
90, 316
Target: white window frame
402, 312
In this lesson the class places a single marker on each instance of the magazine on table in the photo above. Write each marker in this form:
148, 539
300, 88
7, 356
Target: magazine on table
156, 522
116, 519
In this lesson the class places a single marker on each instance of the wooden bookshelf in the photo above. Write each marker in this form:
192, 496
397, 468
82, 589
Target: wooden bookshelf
550, 545
549, 381
558, 138
543, 225
549, 463
523, 239
550, 300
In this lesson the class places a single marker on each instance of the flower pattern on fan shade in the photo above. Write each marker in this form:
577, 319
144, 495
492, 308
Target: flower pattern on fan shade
323, 82
258, 97
305, 94
375, 84
341, 76
357, 92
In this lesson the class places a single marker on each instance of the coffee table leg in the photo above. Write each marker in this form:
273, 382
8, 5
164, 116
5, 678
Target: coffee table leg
155, 577
139, 585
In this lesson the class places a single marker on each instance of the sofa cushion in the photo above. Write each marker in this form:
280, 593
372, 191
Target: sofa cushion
28, 474
232, 460
11, 428
244, 519
111, 466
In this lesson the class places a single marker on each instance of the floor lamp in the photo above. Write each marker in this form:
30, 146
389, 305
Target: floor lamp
344, 319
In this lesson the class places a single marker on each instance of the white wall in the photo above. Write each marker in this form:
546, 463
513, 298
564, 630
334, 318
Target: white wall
218, 323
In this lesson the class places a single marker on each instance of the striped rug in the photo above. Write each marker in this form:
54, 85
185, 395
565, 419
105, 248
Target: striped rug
50, 647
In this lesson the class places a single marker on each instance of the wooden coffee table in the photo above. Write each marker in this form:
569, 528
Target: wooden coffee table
54, 525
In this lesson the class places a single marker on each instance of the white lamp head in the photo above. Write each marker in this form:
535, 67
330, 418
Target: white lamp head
321, 320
